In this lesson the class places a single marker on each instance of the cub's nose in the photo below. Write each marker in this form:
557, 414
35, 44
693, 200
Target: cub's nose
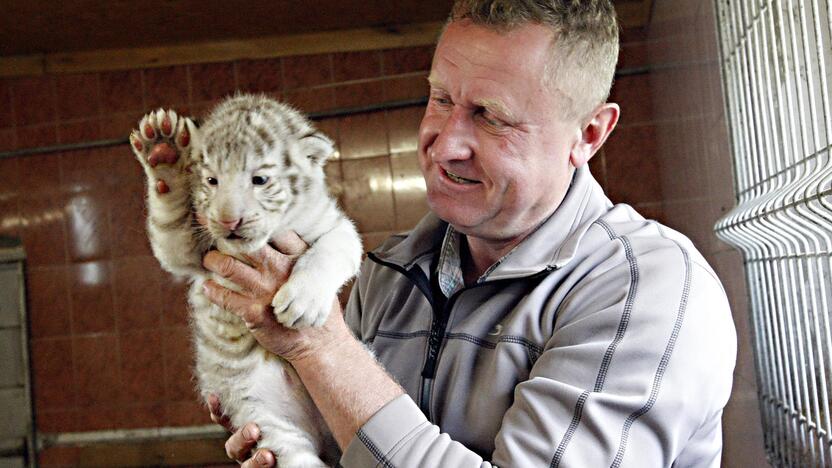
231, 224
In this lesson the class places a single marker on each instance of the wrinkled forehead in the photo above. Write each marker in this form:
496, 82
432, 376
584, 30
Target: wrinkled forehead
501, 70
521, 52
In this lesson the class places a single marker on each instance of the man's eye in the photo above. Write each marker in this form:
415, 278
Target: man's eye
259, 180
491, 120
441, 100
212, 181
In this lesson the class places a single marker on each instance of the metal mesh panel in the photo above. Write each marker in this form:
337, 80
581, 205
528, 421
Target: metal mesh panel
776, 58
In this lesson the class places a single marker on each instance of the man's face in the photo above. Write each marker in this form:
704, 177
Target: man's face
493, 150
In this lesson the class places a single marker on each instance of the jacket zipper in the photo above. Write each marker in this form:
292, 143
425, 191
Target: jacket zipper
436, 339
441, 311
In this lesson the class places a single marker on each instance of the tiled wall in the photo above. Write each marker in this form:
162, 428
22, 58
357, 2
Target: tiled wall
692, 147
109, 328
629, 162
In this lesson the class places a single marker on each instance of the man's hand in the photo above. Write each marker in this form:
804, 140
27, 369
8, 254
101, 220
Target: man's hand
330, 362
242, 441
264, 272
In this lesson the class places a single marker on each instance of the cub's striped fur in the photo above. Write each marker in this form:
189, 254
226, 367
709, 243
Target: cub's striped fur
251, 172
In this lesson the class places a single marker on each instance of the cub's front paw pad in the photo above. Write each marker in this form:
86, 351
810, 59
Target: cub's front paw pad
161, 144
162, 153
300, 303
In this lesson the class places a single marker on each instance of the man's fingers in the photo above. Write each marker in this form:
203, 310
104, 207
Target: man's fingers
240, 444
238, 272
240, 305
224, 297
262, 458
271, 262
290, 243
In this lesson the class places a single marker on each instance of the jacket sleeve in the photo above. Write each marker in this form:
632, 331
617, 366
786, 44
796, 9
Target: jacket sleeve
635, 374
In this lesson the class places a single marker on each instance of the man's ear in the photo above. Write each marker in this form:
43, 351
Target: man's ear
595, 133
318, 148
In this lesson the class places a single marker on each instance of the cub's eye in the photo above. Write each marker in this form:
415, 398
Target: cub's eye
259, 180
212, 181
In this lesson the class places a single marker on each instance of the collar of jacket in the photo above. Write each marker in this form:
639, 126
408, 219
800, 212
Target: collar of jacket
551, 246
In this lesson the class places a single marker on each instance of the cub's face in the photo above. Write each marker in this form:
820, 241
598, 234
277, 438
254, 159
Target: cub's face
244, 192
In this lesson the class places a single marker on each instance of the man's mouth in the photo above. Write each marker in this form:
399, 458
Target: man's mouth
459, 179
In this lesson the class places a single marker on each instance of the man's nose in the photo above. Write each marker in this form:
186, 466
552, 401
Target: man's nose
455, 138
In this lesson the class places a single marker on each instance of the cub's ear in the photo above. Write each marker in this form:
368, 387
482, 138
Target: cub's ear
318, 148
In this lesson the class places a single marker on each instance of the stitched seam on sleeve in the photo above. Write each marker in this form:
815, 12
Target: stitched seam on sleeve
628, 307
382, 460
407, 438
608, 355
573, 426
657, 379
402, 336
533, 349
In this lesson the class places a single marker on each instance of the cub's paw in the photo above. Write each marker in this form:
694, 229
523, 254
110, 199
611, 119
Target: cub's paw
300, 302
300, 460
162, 145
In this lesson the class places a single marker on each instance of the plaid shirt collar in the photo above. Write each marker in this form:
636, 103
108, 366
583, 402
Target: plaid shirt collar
449, 267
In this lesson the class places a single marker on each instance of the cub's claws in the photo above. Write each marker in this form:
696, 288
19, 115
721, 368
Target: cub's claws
184, 138
167, 128
134, 140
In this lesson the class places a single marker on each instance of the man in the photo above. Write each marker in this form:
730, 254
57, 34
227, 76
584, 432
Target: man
527, 321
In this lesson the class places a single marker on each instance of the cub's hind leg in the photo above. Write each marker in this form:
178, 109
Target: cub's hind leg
163, 144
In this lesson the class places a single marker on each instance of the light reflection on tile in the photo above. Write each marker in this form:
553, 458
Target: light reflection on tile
89, 274
408, 190
42, 228
10, 219
88, 228
368, 193
403, 128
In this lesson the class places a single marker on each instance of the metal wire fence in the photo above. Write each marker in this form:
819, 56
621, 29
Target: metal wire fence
776, 60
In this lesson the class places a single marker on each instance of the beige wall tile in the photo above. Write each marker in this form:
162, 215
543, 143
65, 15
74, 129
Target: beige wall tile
363, 136
681, 147
371, 240
742, 429
695, 218
368, 193
329, 127
408, 190
403, 128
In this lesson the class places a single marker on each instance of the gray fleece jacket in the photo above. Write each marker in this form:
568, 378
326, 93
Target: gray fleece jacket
602, 340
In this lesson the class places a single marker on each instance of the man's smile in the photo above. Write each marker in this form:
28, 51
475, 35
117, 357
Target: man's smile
459, 179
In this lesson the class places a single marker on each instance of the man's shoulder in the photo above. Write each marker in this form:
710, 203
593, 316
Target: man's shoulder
640, 236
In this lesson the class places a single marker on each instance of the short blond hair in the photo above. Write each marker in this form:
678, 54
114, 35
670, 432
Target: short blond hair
585, 42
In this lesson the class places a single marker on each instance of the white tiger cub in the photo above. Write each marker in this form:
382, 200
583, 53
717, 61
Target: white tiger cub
251, 171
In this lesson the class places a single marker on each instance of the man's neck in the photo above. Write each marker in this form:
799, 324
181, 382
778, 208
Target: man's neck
478, 255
